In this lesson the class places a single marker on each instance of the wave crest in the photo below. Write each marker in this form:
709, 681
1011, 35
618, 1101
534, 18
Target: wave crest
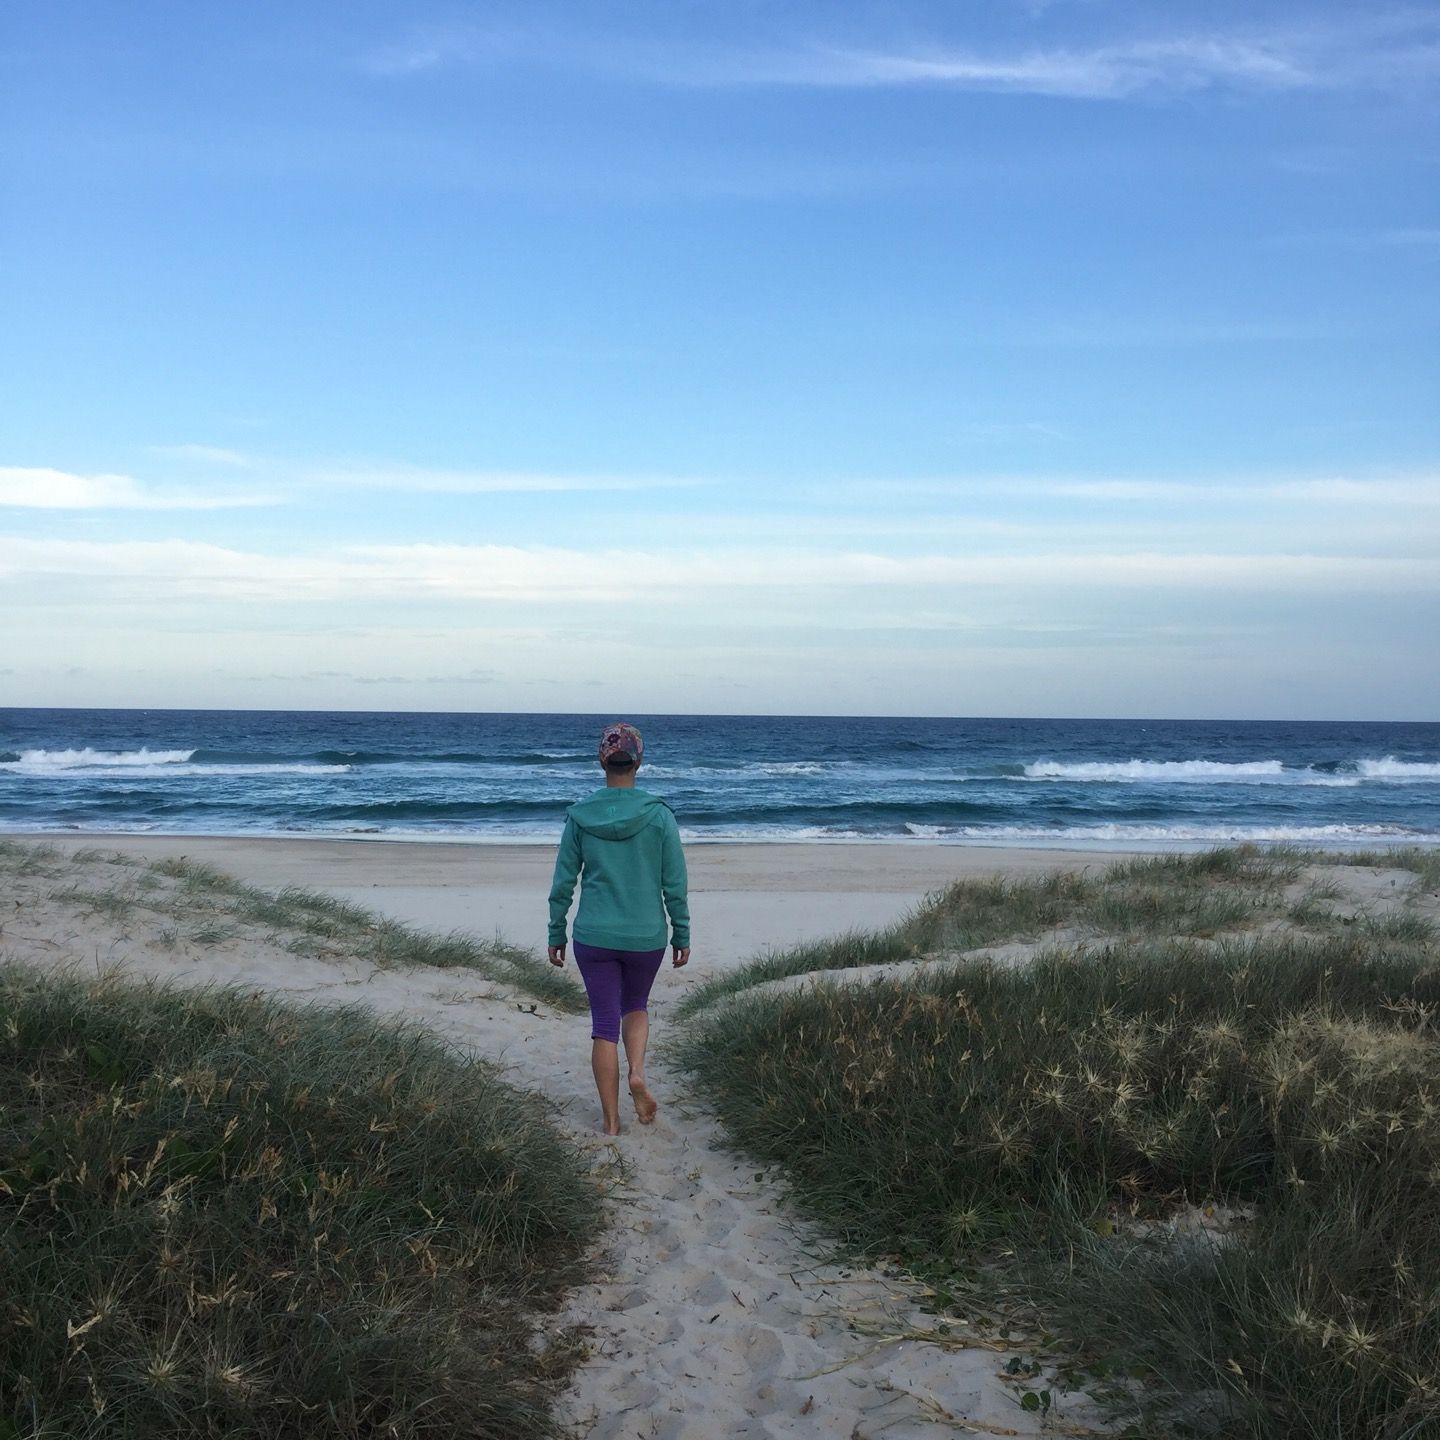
1164, 770
1392, 769
89, 758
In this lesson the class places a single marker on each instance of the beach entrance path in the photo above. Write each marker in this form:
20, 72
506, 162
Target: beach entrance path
713, 1312
716, 1315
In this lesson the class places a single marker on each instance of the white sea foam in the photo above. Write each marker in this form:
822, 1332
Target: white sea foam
1184, 771
90, 759
276, 769
164, 763
1392, 769
1213, 833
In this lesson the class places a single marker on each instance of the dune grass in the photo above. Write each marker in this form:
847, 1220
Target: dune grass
1423, 860
1034, 1130
1194, 895
209, 907
329, 920
221, 1216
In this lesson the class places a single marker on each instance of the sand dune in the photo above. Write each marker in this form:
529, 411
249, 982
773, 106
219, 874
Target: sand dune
713, 1314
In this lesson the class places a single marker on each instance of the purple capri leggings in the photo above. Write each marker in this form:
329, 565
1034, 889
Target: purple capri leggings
617, 982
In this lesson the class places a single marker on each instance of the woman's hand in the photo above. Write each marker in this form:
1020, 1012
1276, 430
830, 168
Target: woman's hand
557, 954
682, 957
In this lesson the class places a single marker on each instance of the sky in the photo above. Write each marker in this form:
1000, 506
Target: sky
1027, 357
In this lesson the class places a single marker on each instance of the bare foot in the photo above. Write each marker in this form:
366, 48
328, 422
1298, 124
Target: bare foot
609, 1127
645, 1106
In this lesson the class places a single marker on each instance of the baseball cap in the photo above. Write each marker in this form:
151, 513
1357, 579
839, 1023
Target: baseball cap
621, 739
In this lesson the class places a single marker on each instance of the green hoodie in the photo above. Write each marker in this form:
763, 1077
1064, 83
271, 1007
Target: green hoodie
626, 844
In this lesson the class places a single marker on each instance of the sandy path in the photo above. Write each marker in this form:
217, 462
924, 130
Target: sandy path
710, 1315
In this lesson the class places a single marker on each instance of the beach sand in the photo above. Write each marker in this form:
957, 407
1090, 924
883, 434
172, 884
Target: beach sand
743, 898
714, 1312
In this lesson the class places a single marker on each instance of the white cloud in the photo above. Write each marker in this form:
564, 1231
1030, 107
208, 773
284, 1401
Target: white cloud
1367, 49
171, 569
1099, 73
44, 489
1322, 490
482, 482
205, 455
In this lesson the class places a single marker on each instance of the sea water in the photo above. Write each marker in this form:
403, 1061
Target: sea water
1100, 783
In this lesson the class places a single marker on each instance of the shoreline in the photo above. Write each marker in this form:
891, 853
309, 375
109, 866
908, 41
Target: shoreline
1119, 846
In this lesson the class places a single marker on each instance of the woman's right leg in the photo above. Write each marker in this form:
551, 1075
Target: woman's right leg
635, 1029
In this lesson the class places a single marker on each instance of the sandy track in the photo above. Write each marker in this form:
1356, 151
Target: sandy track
710, 1315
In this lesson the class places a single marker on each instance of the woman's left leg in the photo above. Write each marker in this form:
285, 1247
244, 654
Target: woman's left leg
637, 975
602, 973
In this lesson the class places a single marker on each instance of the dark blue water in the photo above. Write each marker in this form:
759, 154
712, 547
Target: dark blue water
509, 777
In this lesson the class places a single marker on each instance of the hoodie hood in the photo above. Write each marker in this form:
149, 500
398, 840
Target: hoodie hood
616, 813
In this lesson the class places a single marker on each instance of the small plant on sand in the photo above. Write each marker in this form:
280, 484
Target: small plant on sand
223, 1216
115, 904
19, 859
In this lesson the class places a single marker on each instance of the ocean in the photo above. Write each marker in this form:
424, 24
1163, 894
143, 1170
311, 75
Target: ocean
1086, 783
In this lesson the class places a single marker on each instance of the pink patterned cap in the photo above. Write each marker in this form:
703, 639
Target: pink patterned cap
621, 739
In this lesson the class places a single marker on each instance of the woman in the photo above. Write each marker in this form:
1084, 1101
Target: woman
624, 847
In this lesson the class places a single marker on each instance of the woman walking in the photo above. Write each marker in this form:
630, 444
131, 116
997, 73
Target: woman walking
623, 846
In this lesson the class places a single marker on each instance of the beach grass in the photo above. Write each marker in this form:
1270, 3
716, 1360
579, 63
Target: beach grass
1201, 895
211, 907
1422, 860
1211, 1162
220, 1215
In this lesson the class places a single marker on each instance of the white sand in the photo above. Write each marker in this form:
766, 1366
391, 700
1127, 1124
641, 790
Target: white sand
712, 1316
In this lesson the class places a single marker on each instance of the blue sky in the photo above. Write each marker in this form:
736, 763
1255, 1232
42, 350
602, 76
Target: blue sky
1071, 358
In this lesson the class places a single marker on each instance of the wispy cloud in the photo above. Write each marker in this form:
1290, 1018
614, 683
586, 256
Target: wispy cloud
204, 455
1422, 490
481, 482
37, 488
1396, 237
1322, 490
145, 570
1106, 72
429, 46
1367, 50
469, 677
53, 489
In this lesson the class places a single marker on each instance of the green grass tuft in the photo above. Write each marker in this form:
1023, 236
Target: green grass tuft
223, 1216
20, 859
